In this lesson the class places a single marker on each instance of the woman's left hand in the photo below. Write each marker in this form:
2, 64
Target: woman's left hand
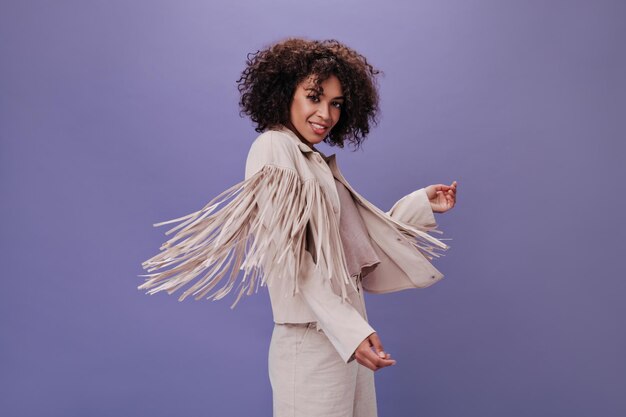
442, 197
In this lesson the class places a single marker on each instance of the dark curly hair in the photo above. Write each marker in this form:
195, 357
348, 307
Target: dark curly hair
269, 81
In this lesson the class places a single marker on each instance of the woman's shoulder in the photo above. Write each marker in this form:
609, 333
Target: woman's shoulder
273, 147
274, 137
275, 144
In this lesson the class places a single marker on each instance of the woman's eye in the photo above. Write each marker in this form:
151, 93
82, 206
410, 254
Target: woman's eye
338, 105
315, 99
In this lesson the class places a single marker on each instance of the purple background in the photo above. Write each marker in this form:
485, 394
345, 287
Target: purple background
118, 114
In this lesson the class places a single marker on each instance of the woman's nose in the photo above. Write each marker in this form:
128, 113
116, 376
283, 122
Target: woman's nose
323, 111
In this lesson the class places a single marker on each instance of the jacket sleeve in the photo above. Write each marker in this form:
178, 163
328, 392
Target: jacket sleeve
414, 209
340, 321
255, 226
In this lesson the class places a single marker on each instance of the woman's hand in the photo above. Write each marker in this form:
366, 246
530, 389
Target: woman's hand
442, 197
373, 359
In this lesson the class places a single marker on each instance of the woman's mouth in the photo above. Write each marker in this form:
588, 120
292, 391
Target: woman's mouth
317, 128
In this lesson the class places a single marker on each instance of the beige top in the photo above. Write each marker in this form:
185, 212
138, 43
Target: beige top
361, 257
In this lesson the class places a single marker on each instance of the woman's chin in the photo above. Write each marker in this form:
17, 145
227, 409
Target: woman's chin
315, 140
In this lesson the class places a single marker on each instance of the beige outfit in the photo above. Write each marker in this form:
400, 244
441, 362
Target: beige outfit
281, 227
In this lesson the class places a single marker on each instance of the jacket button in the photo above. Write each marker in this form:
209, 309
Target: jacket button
399, 239
336, 210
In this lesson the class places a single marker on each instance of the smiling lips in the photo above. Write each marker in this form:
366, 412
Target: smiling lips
318, 128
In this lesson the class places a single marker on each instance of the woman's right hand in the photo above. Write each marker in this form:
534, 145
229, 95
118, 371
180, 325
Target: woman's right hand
373, 359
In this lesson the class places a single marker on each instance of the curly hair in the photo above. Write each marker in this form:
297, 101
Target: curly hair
268, 83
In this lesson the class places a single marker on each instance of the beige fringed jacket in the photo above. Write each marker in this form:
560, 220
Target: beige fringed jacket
280, 226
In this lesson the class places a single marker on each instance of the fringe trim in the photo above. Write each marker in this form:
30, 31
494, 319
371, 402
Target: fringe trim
428, 245
260, 229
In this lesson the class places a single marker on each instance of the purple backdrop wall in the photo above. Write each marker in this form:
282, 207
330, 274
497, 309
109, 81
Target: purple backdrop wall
118, 114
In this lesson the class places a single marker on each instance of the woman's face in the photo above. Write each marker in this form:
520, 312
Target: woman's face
314, 113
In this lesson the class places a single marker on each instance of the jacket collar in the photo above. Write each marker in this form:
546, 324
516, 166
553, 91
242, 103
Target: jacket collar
303, 146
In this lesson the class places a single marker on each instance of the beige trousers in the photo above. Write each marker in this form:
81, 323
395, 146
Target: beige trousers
309, 378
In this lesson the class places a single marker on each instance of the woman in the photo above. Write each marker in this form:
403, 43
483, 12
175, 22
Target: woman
297, 226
